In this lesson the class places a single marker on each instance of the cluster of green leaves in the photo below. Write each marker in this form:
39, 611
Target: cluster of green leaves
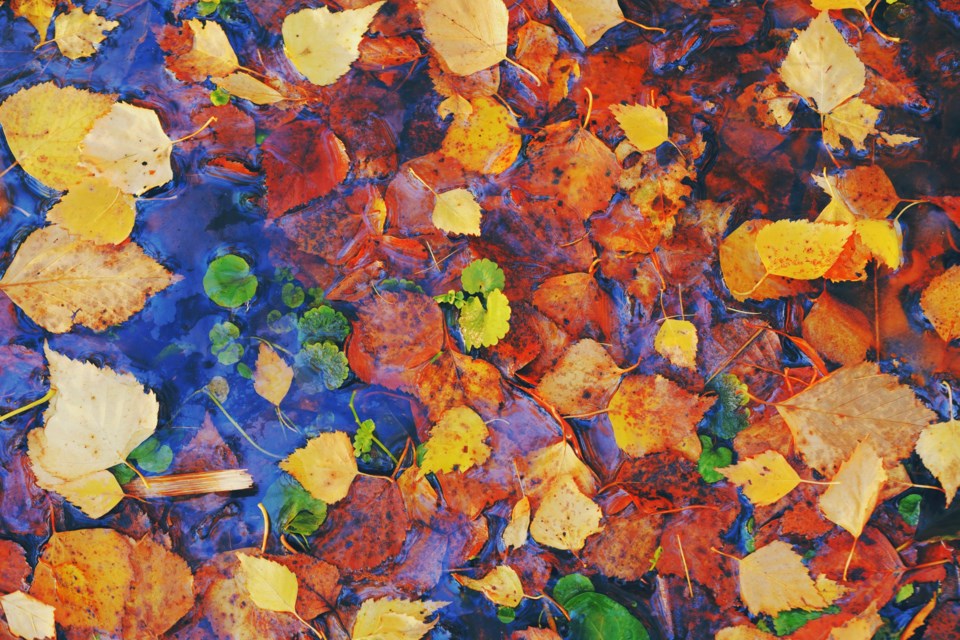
595, 616
226, 345
712, 457
292, 508
484, 309
221, 8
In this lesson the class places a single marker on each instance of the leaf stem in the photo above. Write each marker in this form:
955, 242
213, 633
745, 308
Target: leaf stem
36, 403
313, 629
523, 69
266, 527
229, 417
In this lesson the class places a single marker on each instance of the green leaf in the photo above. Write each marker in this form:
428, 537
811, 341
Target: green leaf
231, 354
206, 8
321, 366
223, 334
594, 616
280, 322
485, 327
712, 458
451, 297
244, 371
482, 276
228, 281
506, 615
292, 295
789, 621
363, 439
323, 324
568, 587
123, 473
219, 96
157, 461
294, 510
905, 592
909, 508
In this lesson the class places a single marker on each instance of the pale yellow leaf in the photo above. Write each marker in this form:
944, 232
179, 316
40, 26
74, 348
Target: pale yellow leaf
272, 376
322, 45
831, 417
515, 533
831, 590
546, 467
582, 380
325, 467
27, 617
468, 35
883, 239
95, 210
940, 302
246, 87
851, 498
774, 579
271, 585
801, 249
456, 105
394, 619
590, 19
939, 448
59, 280
822, 67
863, 627
896, 139
44, 126
457, 211
501, 586
128, 148
645, 127
96, 494
456, 442
78, 34
853, 120
677, 342
743, 632
764, 478
37, 12
211, 53
565, 517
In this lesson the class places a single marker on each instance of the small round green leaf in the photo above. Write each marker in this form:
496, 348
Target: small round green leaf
228, 281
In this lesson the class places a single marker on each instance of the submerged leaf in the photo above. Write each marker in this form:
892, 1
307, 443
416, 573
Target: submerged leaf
774, 579
468, 35
325, 467
79, 33
394, 619
271, 585
501, 586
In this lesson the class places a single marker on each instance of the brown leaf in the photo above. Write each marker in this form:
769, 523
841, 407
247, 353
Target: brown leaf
582, 381
626, 546
840, 333
14, 569
454, 379
577, 304
161, 592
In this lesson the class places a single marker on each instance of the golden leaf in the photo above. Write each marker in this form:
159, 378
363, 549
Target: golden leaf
939, 448
826, 5
548, 466
161, 591
764, 478
95, 210
44, 126
851, 498
582, 379
515, 533
744, 272
322, 45
37, 13
774, 579
677, 342
78, 33
456, 442
325, 467
501, 586
272, 376
468, 35
853, 120
865, 191
801, 249
246, 87
394, 619
457, 211
590, 19
486, 139
565, 517
645, 127
940, 302
59, 280
28, 617
743, 632
883, 239
211, 53
271, 585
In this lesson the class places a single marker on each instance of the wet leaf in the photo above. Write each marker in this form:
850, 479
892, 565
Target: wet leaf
941, 304
37, 12
395, 619
939, 448
501, 586
28, 617
457, 211
244, 86
515, 533
271, 585
486, 139
582, 381
468, 35
565, 517
590, 19
645, 127
677, 342
228, 281
78, 34
774, 579
272, 377
482, 276
764, 478
95, 210
850, 501
325, 466
484, 326
853, 120
456, 442
801, 249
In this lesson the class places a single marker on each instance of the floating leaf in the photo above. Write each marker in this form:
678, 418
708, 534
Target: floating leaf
95, 210
764, 478
853, 120
501, 586
457, 211
582, 380
272, 377
645, 127
677, 342
468, 35
941, 303
774, 579
78, 33
590, 19
37, 12
565, 517
325, 466
484, 327
456, 442
271, 585
27, 617
229, 282
321, 324
394, 619
321, 365
244, 86
801, 249
515, 533
482, 276
485, 139
939, 448
850, 501
594, 616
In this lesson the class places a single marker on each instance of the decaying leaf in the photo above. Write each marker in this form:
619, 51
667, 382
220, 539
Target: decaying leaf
774, 579
468, 35
565, 517
801, 249
456, 442
246, 87
28, 617
501, 586
941, 303
853, 120
939, 448
483, 137
582, 380
37, 12
850, 500
272, 376
78, 34
325, 467
764, 478
394, 619
95, 210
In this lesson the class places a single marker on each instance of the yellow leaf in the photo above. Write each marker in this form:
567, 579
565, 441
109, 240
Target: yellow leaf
822, 67
486, 139
853, 120
743, 632
78, 33
941, 303
96, 494
44, 126
939, 448
322, 45
831, 417
677, 342
851, 499
501, 586
582, 380
883, 239
863, 627
590, 19
468, 35
801, 249
272, 377
161, 590
515, 533
271, 585
764, 478
59, 280
457, 211
211, 53
394, 619
548, 466
325, 467
774, 579
455, 105
866, 191
27, 617
37, 13
565, 517
645, 127
825, 5
246, 87
128, 148
95, 210
744, 272
456, 442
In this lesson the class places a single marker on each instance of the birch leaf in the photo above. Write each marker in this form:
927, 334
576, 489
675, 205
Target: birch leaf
939, 448
271, 585
774, 579
764, 478
515, 533
590, 19
501, 586
78, 34
853, 120
801, 249
246, 87
456, 442
95, 210
940, 302
272, 377
645, 127
677, 342
853, 496
325, 467
37, 13
468, 35
211, 53
457, 211
27, 617
59, 280
565, 517
822, 67
322, 45
394, 619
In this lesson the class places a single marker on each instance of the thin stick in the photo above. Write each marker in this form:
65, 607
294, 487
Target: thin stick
686, 572
191, 484
725, 555
266, 527
522, 68
143, 479
644, 26
223, 410
846, 565
191, 135
736, 354
586, 119
16, 163
544, 596
315, 631
36, 403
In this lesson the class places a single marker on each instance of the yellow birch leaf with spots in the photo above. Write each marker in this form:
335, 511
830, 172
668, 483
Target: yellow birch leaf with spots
764, 478
95, 210
801, 249
677, 342
501, 586
395, 619
211, 53
322, 45
590, 19
457, 211
246, 87
468, 35
863, 627
456, 442
28, 617
774, 579
851, 498
940, 302
883, 239
548, 466
645, 127
272, 376
565, 517
486, 138
271, 585
78, 34
326, 466
853, 120
515, 533
939, 448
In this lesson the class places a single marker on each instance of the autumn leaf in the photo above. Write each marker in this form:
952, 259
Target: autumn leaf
246, 87
210, 54
774, 579
484, 136
484, 326
272, 376
862, 627
28, 617
59, 280
676, 341
457, 211
44, 126
822, 67
78, 34
801, 249
551, 465
325, 467
394, 619
852, 497
582, 380
565, 517
645, 127
764, 478
590, 19
271, 585
838, 331
515, 533
744, 272
501, 586
941, 304
853, 120
456, 442
468, 35
37, 12
866, 192
325, 63
939, 448
95, 210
